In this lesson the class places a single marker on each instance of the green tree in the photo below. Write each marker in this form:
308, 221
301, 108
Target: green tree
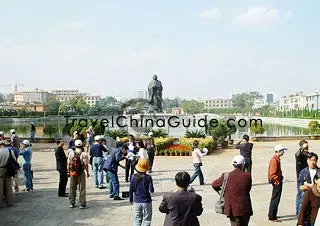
50, 130
79, 105
257, 129
168, 103
314, 126
192, 106
64, 108
245, 101
53, 106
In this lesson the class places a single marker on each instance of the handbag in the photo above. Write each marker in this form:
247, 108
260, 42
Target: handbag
220, 208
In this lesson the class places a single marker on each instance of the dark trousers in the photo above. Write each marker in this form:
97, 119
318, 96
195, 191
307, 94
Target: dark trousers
248, 165
130, 165
151, 154
275, 200
63, 180
240, 221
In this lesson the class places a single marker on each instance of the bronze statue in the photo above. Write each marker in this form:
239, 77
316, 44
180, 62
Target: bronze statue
155, 94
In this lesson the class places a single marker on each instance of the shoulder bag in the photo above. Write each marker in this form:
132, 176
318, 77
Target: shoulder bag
220, 208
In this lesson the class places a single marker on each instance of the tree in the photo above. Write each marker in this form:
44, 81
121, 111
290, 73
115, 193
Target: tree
64, 108
220, 132
168, 103
192, 107
50, 130
53, 106
245, 101
314, 126
79, 105
257, 129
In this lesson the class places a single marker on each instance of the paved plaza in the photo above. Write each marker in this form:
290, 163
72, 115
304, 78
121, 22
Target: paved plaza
42, 206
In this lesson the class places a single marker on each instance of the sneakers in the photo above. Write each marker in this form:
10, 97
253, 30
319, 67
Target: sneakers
111, 196
72, 205
83, 207
102, 187
117, 198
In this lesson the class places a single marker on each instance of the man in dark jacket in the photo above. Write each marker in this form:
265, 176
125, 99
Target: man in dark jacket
237, 193
61, 160
301, 163
181, 207
246, 151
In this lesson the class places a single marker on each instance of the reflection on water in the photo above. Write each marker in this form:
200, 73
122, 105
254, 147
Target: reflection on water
23, 129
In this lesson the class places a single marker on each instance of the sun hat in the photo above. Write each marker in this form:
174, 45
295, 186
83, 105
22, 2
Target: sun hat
279, 147
142, 166
238, 160
78, 143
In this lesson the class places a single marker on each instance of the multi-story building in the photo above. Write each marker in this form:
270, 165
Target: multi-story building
293, 102
270, 99
35, 96
313, 101
141, 94
217, 103
66, 95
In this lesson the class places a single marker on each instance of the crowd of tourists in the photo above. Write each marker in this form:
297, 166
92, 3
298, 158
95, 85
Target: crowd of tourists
182, 207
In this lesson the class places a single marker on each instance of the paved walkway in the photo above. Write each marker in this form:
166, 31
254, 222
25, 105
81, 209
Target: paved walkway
42, 206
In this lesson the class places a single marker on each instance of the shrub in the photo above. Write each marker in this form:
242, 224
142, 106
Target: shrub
314, 126
116, 133
157, 132
220, 132
198, 133
50, 130
203, 142
257, 129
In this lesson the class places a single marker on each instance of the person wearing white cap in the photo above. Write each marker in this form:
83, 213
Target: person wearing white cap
275, 178
236, 186
96, 155
150, 147
78, 162
26, 153
15, 139
76, 136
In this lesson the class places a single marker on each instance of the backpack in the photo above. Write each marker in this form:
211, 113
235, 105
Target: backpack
75, 165
219, 207
12, 165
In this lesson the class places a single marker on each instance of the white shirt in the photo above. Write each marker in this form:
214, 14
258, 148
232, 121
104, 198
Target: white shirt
312, 174
143, 154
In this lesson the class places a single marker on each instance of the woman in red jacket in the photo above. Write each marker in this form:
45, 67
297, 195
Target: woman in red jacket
310, 204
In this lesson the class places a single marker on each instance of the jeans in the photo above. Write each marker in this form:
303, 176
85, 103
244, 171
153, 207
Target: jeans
299, 199
98, 173
275, 200
197, 173
130, 166
32, 134
248, 165
113, 183
143, 212
27, 175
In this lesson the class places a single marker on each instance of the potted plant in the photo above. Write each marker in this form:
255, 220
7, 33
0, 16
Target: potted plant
220, 133
177, 152
172, 153
314, 128
166, 152
214, 145
231, 130
256, 129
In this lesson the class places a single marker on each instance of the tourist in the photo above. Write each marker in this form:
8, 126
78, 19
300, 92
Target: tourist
76, 135
237, 200
111, 166
275, 178
306, 176
197, 162
106, 153
310, 205
78, 162
181, 207
32, 132
130, 161
89, 135
150, 146
15, 139
26, 153
61, 163
142, 154
96, 152
246, 151
5, 180
1, 135
141, 186
301, 163
8, 144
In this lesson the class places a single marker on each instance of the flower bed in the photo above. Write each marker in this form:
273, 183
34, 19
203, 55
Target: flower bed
208, 143
176, 149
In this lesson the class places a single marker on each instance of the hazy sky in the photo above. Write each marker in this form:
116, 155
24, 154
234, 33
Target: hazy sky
197, 48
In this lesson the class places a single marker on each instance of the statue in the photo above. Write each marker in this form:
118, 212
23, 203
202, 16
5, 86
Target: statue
155, 94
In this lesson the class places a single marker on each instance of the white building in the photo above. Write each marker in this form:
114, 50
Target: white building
34, 96
293, 102
313, 101
217, 103
66, 95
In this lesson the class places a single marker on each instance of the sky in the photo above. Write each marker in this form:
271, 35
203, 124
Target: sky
198, 49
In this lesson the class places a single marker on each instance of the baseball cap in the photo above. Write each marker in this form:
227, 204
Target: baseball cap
12, 131
1, 133
78, 143
26, 142
75, 133
280, 147
98, 137
150, 134
238, 160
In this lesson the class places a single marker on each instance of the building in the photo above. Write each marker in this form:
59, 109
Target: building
270, 99
35, 96
313, 101
217, 103
66, 95
293, 102
177, 111
141, 94
35, 107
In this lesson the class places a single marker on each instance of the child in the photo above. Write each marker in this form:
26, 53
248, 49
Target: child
141, 186
26, 166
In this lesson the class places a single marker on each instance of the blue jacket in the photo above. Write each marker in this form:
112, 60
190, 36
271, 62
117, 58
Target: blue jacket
304, 175
112, 162
27, 154
141, 189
